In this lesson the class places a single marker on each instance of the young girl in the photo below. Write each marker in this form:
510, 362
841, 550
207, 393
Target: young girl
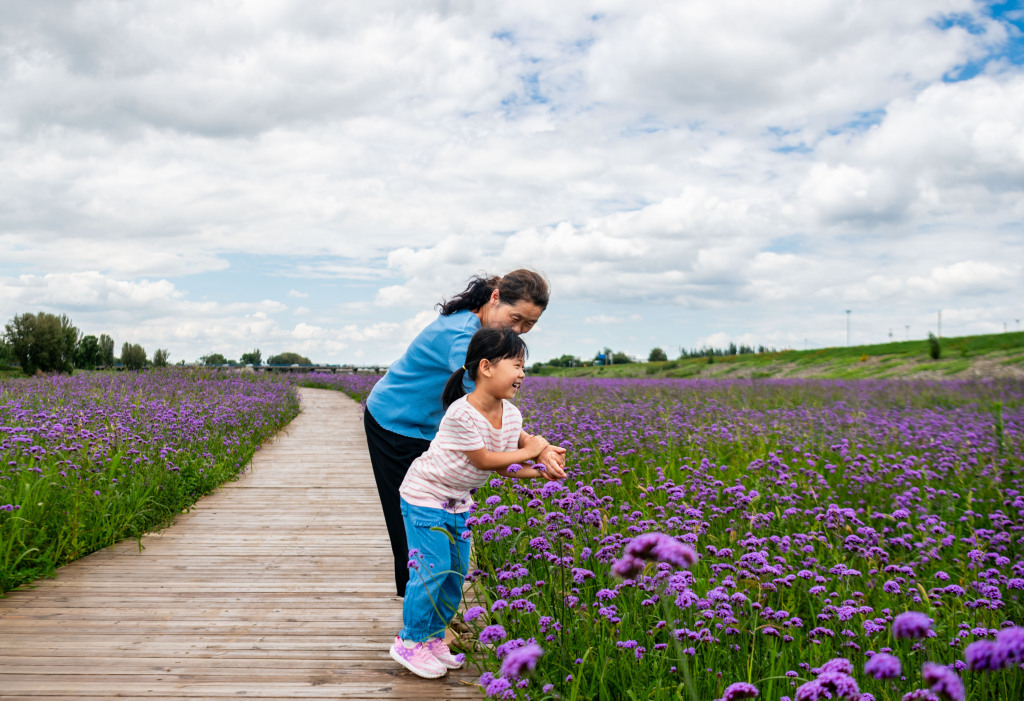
481, 434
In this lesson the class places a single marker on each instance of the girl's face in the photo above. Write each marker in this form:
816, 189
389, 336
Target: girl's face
504, 376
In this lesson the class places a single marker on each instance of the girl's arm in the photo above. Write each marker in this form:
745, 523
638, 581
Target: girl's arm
483, 459
524, 472
553, 458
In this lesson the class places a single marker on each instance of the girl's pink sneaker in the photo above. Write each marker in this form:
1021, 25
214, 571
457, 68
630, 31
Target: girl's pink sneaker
442, 654
417, 659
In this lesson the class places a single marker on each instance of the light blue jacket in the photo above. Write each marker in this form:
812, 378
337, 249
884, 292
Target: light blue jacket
407, 400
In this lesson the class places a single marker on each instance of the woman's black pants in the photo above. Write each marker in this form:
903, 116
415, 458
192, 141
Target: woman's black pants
391, 455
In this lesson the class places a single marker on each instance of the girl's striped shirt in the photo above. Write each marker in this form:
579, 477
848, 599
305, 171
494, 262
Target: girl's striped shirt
443, 476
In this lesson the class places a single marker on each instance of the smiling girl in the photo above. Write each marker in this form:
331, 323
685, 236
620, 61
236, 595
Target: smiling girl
481, 434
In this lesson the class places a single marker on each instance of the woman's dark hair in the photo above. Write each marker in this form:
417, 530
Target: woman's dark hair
487, 343
514, 287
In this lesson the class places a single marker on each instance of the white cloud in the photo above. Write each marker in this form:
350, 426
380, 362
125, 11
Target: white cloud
91, 291
697, 163
967, 278
801, 64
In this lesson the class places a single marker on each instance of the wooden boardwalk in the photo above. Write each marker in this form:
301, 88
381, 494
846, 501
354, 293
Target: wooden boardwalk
277, 586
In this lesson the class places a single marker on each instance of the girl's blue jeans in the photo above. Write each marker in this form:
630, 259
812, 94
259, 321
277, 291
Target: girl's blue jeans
438, 563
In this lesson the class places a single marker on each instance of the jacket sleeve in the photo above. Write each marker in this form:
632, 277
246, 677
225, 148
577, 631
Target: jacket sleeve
457, 352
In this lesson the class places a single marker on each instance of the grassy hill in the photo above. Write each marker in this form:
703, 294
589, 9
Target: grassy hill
994, 355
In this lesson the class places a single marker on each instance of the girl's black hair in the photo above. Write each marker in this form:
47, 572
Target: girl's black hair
492, 344
512, 288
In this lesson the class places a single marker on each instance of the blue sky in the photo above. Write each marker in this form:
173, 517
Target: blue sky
313, 177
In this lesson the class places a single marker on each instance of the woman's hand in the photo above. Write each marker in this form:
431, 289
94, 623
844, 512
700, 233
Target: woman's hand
553, 457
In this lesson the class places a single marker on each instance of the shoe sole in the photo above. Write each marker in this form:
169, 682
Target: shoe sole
419, 673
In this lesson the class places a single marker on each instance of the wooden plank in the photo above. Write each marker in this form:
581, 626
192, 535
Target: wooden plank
277, 586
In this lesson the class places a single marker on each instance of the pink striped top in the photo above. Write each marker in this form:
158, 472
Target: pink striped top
442, 477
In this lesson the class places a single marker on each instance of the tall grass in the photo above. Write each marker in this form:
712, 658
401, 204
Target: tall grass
91, 459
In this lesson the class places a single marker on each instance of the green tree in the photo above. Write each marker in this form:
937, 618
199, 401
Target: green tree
160, 358
133, 356
213, 359
106, 350
619, 357
934, 346
657, 355
42, 342
255, 358
87, 355
565, 361
288, 358
6, 353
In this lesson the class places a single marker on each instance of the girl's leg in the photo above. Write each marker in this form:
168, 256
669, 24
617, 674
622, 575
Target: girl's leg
431, 560
458, 553
390, 456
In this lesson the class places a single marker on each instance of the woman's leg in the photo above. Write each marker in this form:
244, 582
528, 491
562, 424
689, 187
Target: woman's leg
430, 560
390, 456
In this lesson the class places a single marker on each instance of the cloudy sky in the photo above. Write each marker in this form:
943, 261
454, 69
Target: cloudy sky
314, 176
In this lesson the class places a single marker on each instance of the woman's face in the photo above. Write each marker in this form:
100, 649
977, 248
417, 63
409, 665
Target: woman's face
520, 317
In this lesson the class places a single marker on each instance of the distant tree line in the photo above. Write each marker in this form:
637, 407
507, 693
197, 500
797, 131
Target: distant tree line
255, 358
609, 357
731, 349
45, 342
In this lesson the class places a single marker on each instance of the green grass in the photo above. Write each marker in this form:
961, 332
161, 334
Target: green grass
959, 355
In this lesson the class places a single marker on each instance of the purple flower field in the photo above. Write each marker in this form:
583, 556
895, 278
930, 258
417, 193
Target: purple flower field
91, 459
830, 522
714, 539
355, 385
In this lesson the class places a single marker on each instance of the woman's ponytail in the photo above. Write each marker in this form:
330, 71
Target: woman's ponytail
476, 295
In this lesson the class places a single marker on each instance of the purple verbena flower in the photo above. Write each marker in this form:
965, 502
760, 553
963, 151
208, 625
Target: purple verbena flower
983, 656
920, 695
830, 685
473, 613
492, 634
911, 624
883, 666
943, 681
1010, 642
499, 687
521, 661
739, 690
628, 567
838, 664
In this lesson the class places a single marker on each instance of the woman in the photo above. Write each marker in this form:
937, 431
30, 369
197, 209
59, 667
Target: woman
404, 409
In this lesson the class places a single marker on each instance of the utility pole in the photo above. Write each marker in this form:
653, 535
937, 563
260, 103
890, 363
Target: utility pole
847, 327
